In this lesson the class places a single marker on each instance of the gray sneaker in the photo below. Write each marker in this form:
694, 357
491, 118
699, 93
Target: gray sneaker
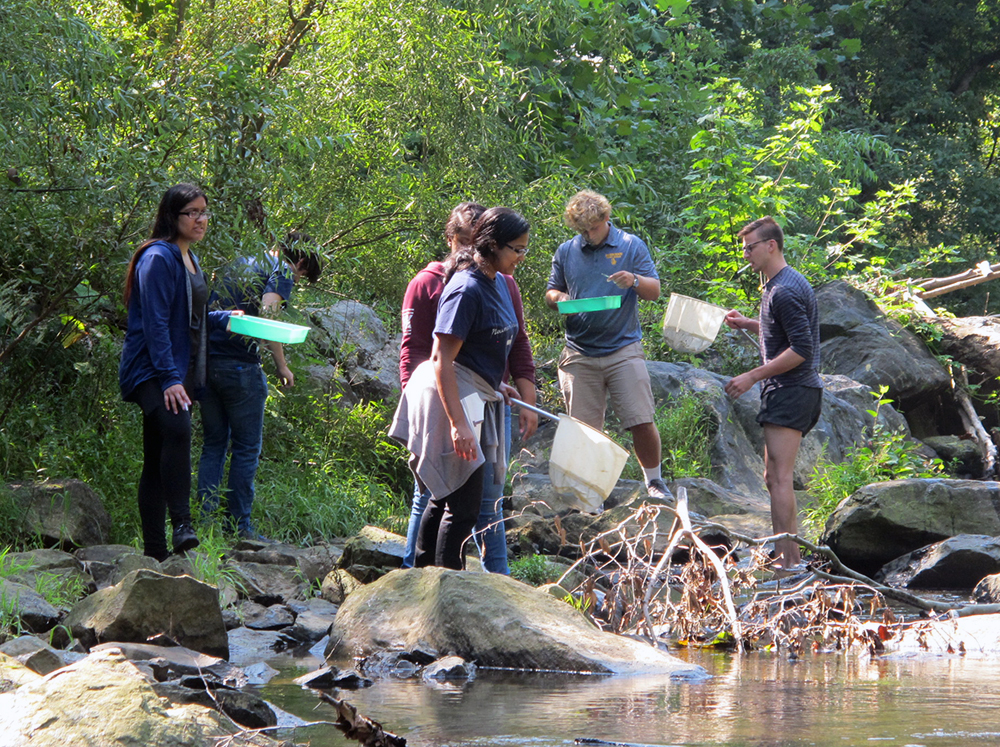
658, 489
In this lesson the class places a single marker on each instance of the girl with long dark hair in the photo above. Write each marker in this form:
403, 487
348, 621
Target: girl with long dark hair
164, 360
451, 416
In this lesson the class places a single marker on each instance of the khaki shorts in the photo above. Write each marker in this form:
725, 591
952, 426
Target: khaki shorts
586, 383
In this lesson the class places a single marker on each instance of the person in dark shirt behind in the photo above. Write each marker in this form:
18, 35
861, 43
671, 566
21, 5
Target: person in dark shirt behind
232, 412
791, 392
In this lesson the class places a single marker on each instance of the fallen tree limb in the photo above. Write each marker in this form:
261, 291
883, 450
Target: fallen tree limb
355, 726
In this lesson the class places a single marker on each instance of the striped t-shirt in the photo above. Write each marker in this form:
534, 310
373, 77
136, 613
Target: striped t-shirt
789, 318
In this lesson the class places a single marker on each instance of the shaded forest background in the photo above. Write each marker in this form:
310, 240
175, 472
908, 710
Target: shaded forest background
869, 128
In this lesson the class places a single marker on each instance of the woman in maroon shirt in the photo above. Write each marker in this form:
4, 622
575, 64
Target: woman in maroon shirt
419, 313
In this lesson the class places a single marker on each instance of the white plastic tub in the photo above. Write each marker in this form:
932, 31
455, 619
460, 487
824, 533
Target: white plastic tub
690, 325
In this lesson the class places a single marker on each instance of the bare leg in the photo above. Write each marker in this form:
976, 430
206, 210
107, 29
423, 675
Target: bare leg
646, 440
781, 445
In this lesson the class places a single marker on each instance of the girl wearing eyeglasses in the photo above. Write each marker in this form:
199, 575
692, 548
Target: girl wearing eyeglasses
163, 363
451, 416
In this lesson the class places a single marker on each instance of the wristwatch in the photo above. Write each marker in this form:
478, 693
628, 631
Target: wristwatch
635, 283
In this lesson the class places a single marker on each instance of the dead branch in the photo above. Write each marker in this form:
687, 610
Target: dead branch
355, 726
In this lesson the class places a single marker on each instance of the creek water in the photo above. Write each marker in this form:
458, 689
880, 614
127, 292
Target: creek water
756, 699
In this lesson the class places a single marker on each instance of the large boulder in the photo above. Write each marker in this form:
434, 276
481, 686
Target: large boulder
883, 521
147, 604
64, 513
737, 446
956, 563
489, 619
860, 342
352, 335
105, 700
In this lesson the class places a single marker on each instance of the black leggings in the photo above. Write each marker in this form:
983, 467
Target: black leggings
166, 468
447, 524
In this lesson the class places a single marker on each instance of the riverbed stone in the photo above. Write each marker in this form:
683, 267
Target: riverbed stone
147, 604
884, 521
258, 617
34, 653
245, 708
956, 563
104, 700
337, 585
489, 619
178, 661
309, 627
61, 512
57, 565
248, 646
450, 668
375, 547
34, 613
962, 456
269, 584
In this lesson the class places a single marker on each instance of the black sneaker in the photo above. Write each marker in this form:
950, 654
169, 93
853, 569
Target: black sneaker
658, 489
184, 538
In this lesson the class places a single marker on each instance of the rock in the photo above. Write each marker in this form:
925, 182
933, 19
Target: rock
488, 619
533, 494
260, 673
337, 585
859, 342
961, 456
397, 664
127, 564
258, 617
65, 513
245, 708
30, 607
146, 604
13, 674
956, 563
248, 646
450, 668
737, 443
49, 566
374, 547
708, 498
309, 627
883, 521
103, 553
34, 653
269, 584
987, 591
177, 661
352, 334
313, 562
104, 700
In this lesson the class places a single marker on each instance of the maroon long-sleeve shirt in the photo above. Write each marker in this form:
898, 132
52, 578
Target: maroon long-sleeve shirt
420, 304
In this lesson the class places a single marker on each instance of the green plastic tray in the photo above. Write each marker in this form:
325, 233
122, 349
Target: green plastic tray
598, 303
267, 329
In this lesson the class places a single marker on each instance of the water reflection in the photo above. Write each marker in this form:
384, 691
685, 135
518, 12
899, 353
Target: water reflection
757, 699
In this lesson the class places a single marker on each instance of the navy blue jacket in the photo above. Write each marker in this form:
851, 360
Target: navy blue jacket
158, 338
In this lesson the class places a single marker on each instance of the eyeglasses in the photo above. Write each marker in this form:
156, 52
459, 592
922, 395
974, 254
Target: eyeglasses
196, 214
519, 251
749, 247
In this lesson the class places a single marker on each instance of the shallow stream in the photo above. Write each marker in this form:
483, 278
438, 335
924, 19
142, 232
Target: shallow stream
754, 699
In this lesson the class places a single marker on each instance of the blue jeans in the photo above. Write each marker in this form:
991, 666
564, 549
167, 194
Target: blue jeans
489, 533
232, 417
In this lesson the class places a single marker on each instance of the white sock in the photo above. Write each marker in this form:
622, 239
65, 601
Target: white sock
654, 473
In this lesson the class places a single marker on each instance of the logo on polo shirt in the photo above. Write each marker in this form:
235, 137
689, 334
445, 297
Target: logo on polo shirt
614, 257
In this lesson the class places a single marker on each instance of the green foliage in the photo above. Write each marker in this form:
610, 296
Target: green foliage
60, 590
686, 431
533, 569
885, 455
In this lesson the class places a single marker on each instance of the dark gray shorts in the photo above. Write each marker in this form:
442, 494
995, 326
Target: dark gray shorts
795, 407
